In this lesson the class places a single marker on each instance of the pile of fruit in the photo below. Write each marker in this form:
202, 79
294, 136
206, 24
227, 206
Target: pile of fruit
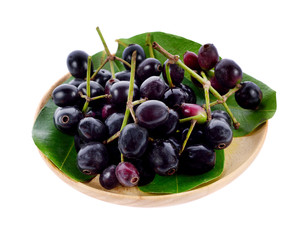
130, 125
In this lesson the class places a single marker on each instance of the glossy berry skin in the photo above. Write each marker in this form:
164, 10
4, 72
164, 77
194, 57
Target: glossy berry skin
217, 86
249, 96
76, 81
127, 54
77, 64
133, 141
65, 95
197, 159
174, 97
228, 73
66, 119
218, 134
191, 60
152, 113
123, 75
162, 157
108, 178
220, 114
153, 88
92, 130
119, 92
92, 158
95, 112
167, 128
147, 68
208, 56
114, 123
127, 174
176, 73
109, 84
102, 77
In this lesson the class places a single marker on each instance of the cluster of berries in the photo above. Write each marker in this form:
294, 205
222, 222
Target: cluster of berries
166, 131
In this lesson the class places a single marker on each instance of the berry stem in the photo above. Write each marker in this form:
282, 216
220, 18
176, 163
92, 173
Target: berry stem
148, 43
130, 92
193, 123
123, 61
139, 101
109, 56
227, 95
206, 94
99, 68
88, 87
168, 74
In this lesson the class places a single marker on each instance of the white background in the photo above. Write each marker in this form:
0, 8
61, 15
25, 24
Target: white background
36, 36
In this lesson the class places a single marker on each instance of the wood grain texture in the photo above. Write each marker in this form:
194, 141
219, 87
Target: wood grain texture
238, 156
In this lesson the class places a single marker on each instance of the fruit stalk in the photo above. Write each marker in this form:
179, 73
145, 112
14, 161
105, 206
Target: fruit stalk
88, 87
193, 123
99, 68
227, 95
110, 57
171, 85
148, 43
206, 94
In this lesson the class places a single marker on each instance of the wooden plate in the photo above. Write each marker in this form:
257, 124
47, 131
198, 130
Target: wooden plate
238, 156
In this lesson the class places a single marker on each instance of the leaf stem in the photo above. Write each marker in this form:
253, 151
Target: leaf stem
121, 43
148, 43
123, 61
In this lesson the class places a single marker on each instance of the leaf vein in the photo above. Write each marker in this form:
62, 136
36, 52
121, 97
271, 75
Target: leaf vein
63, 162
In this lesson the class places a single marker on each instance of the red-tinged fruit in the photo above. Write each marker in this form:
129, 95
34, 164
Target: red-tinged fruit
127, 174
208, 56
191, 60
193, 110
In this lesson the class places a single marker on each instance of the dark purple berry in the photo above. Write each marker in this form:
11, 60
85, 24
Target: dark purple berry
66, 119
107, 110
65, 95
197, 159
167, 128
96, 90
174, 97
133, 141
207, 56
151, 114
77, 64
190, 94
153, 88
218, 133
108, 178
127, 174
162, 157
147, 68
228, 73
92, 158
249, 96
92, 130
127, 54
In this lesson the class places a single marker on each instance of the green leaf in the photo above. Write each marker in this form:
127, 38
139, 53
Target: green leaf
180, 182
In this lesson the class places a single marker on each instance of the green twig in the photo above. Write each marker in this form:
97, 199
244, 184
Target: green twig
149, 44
88, 87
193, 123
